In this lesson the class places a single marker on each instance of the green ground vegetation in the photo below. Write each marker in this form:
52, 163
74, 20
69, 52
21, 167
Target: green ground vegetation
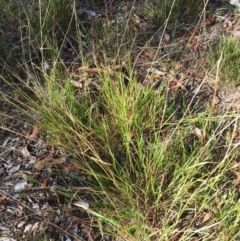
155, 174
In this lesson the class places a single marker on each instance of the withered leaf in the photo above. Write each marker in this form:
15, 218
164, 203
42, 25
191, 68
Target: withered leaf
48, 162
3, 197
207, 216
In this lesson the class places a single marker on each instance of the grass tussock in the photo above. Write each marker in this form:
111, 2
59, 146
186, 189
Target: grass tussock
227, 51
155, 174
160, 12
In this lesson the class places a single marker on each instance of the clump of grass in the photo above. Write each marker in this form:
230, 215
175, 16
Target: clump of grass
152, 172
171, 11
227, 52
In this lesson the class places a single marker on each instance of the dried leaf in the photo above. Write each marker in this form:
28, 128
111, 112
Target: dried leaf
227, 23
2, 206
198, 132
52, 150
155, 71
19, 212
6, 141
7, 239
166, 37
210, 20
48, 162
27, 228
175, 84
84, 205
20, 224
76, 83
86, 13
76, 222
25, 152
35, 131
3, 197
207, 216
35, 225
235, 32
20, 185
14, 169
176, 235
45, 182
237, 180
196, 43
4, 227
